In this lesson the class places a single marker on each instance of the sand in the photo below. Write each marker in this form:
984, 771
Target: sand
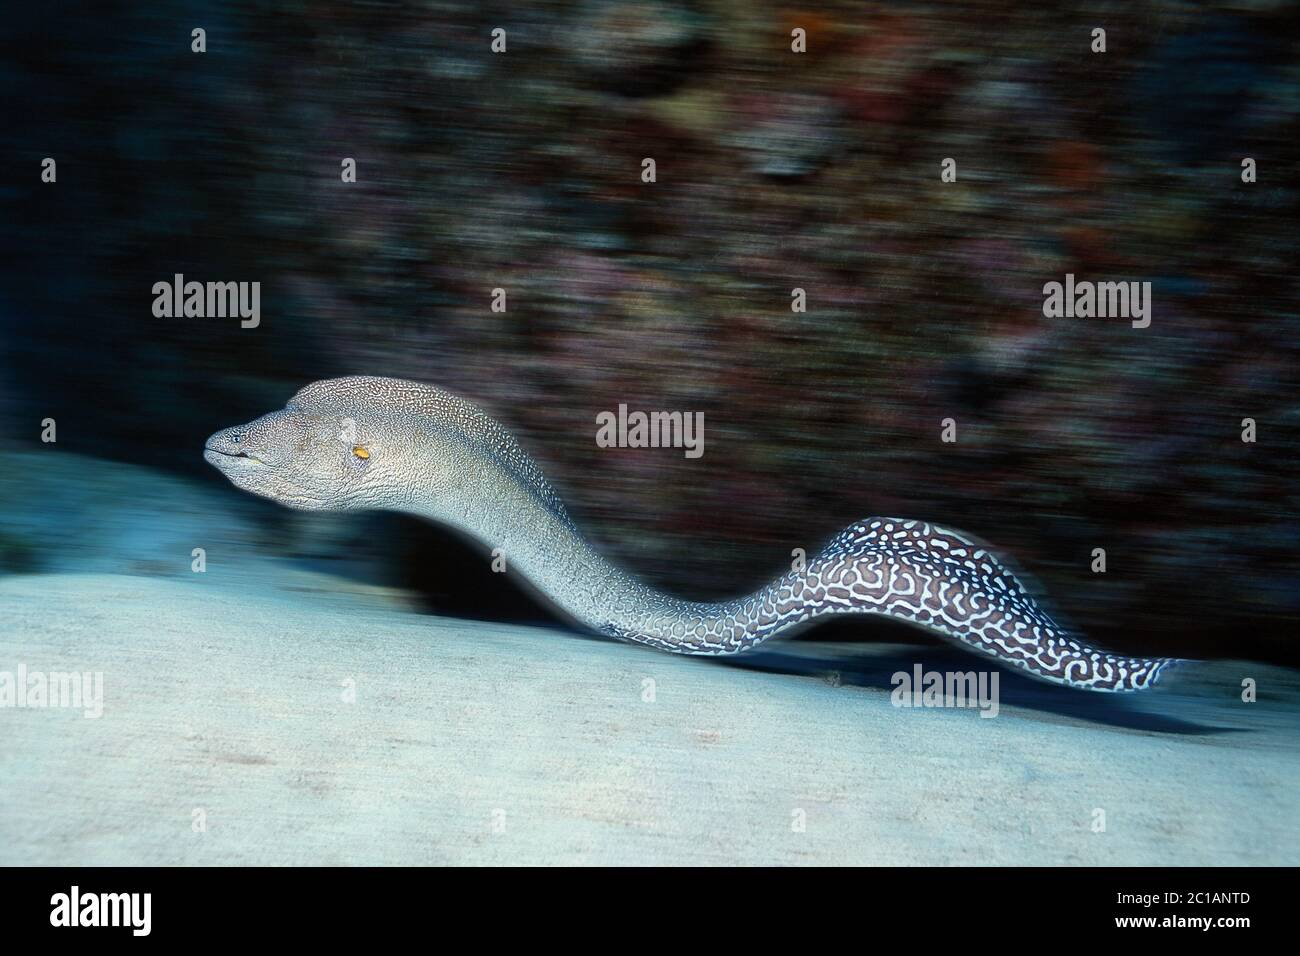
285, 719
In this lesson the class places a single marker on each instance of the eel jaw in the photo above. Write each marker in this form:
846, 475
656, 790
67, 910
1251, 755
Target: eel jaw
229, 459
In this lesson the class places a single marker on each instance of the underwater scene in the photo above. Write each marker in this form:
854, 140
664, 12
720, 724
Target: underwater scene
655, 433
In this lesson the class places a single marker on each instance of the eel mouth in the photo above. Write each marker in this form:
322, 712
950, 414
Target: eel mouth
213, 454
231, 462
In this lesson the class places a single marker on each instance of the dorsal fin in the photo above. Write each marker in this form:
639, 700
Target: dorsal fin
448, 410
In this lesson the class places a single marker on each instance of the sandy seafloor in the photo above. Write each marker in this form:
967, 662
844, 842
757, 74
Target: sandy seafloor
470, 742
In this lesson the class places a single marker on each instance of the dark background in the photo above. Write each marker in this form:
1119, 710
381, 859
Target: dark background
775, 170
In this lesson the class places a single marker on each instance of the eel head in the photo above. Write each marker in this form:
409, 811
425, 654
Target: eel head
305, 460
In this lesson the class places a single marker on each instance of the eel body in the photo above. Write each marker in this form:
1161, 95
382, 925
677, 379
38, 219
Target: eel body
360, 443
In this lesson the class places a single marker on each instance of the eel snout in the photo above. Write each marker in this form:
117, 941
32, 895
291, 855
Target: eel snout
225, 451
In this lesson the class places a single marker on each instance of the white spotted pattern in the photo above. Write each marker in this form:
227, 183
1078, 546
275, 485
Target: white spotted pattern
440, 457
910, 570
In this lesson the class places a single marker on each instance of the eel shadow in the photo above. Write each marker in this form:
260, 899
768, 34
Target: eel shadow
1124, 711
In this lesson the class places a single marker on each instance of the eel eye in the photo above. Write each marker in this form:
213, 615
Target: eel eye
237, 437
360, 452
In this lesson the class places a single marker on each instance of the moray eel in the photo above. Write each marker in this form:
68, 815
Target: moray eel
357, 443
